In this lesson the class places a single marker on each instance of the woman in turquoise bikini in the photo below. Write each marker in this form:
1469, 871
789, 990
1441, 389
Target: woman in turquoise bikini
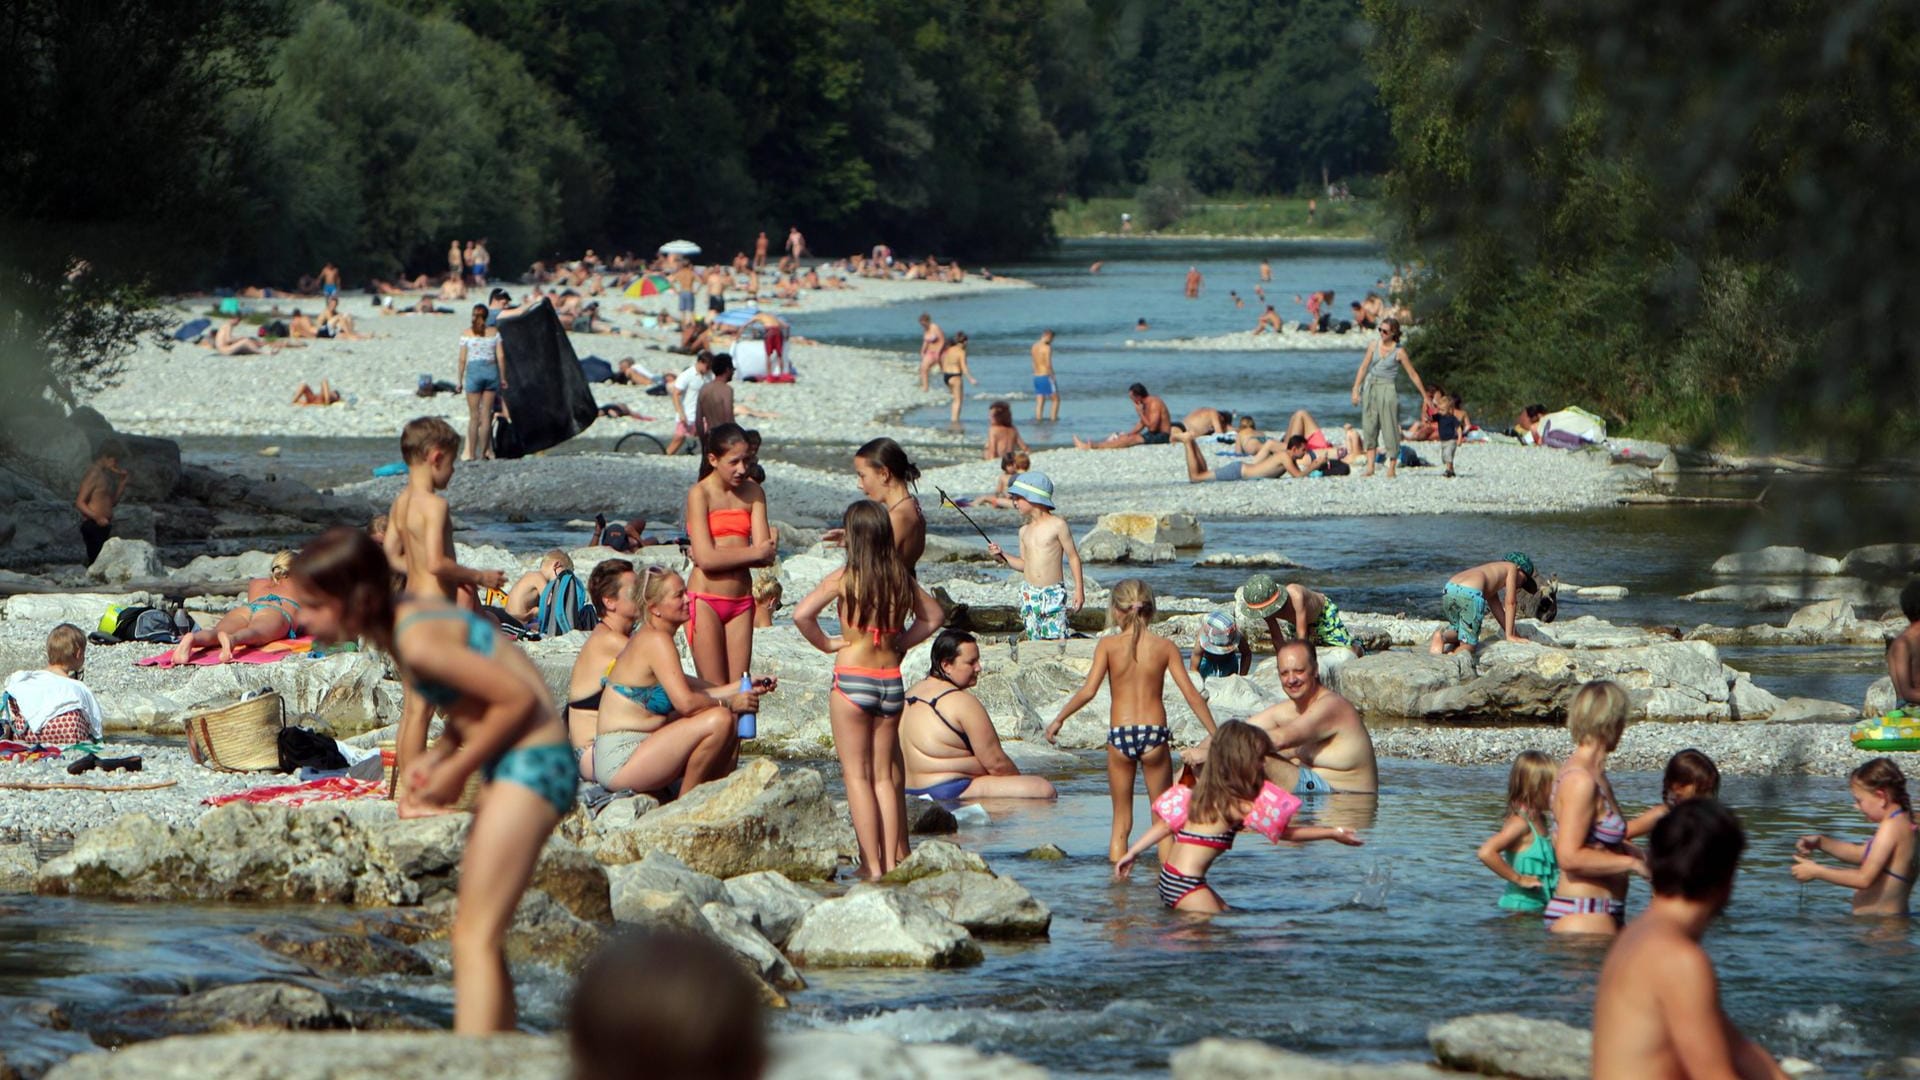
658, 725
500, 720
267, 615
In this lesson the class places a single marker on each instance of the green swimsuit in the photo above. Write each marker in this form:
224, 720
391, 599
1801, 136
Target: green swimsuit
1535, 860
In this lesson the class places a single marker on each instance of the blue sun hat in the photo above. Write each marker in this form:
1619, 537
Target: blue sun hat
1033, 487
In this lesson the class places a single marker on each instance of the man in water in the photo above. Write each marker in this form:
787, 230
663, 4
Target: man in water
100, 490
1154, 429
1266, 271
1045, 387
1321, 747
1141, 323
1656, 1012
1193, 282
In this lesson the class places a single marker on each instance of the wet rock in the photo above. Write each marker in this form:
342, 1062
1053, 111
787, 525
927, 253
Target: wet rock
661, 909
356, 954
775, 905
1267, 559
928, 818
1046, 853
760, 818
121, 560
809, 1055
1825, 618
312, 1056
988, 905
1176, 528
935, 857
661, 871
1105, 546
1776, 560
878, 927
1783, 595
17, 868
242, 1007
1745, 701
1245, 1059
1503, 1044
1882, 561
1397, 683
1601, 592
1034, 756
1587, 632
733, 930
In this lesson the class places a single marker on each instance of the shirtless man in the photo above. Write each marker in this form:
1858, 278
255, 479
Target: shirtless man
948, 741
419, 543
299, 326
1306, 454
683, 286
1045, 387
717, 281
1903, 652
100, 490
1656, 1011
1269, 320
760, 251
1266, 271
796, 243
524, 598
228, 342
1471, 593
1193, 282
1266, 464
1298, 613
1321, 745
933, 342
1206, 421
1154, 429
330, 281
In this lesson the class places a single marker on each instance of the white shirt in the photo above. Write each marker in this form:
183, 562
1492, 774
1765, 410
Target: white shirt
43, 695
689, 382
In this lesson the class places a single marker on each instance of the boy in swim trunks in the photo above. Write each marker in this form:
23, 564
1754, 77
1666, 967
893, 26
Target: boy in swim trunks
1044, 541
99, 495
1045, 388
1657, 1009
1297, 612
1903, 652
1471, 593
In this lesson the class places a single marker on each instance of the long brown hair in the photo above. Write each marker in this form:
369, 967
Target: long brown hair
1883, 776
1236, 769
1131, 608
344, 564
877, 588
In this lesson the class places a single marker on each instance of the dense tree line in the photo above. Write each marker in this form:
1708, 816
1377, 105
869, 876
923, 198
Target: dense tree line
1693, 220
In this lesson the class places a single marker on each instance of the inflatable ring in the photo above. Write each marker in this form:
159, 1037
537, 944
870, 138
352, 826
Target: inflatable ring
1894, 731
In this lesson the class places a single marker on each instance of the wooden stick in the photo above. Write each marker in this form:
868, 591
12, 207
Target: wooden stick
16, 786
1657, 499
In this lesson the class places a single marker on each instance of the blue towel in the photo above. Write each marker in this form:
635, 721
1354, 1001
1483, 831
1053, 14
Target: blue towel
391, 468
191, 329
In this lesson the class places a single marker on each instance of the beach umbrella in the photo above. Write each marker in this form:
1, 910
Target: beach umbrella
647, 285
680, 247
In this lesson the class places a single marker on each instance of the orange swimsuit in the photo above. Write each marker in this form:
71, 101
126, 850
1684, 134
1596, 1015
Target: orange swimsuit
734, 521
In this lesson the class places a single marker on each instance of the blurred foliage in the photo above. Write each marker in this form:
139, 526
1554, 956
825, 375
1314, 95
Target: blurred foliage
1689, 219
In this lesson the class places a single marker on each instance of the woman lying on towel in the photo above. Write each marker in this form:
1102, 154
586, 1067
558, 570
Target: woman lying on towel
268, 615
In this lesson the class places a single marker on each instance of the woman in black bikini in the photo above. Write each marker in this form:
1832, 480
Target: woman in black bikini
947, 739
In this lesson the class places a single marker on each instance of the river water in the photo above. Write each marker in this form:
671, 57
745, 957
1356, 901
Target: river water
1345, 952
1350, 953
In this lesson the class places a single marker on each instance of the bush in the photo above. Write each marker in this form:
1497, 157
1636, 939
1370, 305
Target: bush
1165, 196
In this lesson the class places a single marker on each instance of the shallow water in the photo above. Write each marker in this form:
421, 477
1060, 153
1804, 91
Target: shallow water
1337, 951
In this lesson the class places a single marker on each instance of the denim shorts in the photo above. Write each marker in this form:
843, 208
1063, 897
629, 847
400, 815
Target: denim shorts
482, 376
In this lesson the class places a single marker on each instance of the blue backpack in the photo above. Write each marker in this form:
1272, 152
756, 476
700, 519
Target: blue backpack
564, 607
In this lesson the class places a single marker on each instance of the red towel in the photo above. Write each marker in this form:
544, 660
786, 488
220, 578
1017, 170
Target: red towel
246, 654
331, 789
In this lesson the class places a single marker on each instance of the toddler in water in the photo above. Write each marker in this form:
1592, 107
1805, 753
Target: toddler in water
1521, 853
1690, 775
1881, 882
1137, 661
1232, 794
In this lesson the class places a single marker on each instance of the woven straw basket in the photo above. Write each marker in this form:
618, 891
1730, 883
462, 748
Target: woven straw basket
242, 737
469, 797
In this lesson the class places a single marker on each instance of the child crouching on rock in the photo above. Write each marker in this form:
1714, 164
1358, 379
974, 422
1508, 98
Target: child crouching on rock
1232, 794
500, 720
1137, 662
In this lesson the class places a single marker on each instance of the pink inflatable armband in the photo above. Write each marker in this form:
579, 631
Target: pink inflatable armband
1270, 812
1172, 805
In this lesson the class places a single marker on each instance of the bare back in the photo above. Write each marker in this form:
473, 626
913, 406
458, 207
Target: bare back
420, 523
1137, 675
1042, 358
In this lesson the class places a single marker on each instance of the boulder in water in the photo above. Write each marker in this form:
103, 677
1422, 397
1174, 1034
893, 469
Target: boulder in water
1776, 561
1177, 528
988, 905
1503, 1044
1882, 561
1105, 546
935, 857
759, 818
1247, 1059
738, 934
775, 905
122, 560
878, 927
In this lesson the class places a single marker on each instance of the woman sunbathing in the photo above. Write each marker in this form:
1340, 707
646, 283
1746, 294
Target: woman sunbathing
268, 615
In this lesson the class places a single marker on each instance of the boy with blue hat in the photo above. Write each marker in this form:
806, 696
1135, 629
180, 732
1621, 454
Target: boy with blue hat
1471, 593
1044, 541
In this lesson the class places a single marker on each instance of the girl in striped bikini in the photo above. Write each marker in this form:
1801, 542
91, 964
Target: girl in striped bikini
1232, 794
876, 593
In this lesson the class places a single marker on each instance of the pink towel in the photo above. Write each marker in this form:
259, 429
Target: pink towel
331, 789
246, 654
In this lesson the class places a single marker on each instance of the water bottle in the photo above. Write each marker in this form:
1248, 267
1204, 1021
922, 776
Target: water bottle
748, 723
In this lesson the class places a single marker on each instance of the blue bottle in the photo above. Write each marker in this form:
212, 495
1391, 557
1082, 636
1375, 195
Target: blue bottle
749, 723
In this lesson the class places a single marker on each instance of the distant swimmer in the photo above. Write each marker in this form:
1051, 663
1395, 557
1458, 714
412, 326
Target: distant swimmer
1095, 268
1235, 297
1266, 271
1141, 324
1194, 281
1269, 320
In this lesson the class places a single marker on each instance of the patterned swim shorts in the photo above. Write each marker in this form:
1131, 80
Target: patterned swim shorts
1043, 608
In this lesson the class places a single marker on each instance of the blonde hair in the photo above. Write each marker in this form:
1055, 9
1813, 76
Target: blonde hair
1130, 608
1598, 714
66, 644
556, 555
766, 584
649, 582
1530, 783
282, 566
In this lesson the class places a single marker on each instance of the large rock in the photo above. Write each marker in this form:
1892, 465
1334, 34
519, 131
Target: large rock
310, 1056
1882, 561
241, 567
988, 905
1244, 1059
1105, 546
18, 865
734, 931
351, 692
48, 448
1799, 710
813, 1055
1177, 528
1398, 683
935, 857
1776, 561
665, 873
1503, 1044
81, 609
121, 560
361, 952
757, 819
243, 1007
1587, 632
1880, 699
775, 905
881, 927
1792, 594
